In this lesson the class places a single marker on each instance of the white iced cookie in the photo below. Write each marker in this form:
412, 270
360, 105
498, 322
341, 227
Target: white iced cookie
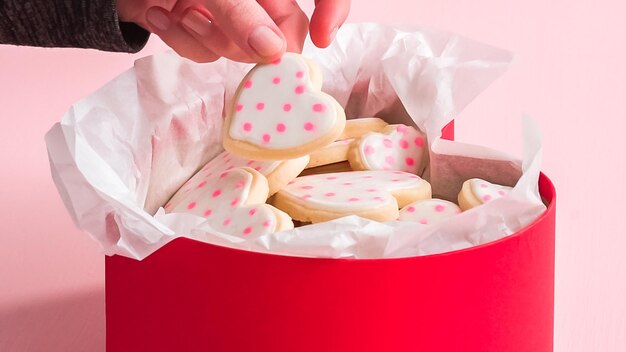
375, 195
476, 192
397, 147
429, 211
233, 202
357, 127
335, 152
279, 112
277, 172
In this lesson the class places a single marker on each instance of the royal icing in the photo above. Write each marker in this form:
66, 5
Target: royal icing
429, 211
401, 148
278, 107
223, 162
487, 191
223, 200
350, 191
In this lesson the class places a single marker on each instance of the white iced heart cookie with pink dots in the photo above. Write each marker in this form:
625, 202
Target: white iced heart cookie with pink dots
280, 112
429, 211
233, 202
476, 192
375, 195
277, 172
397, 147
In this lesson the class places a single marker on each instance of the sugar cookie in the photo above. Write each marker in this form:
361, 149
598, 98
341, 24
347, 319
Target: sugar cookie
357, 127
375, 195
335, 152
397, 147
279, 112
277, 172
429, 211
233, 202
476, 192
327, 169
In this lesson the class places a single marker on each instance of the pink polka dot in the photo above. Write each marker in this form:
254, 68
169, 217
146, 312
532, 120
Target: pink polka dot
202, 184
404, 144
309, 126
250, 162
486, 198
347, 183
424, 221
419, 142
260, 106
371, 190
247, 230
276, 80
369, 150
240, 184
330, 194
439, 208
396, 180
266, 138
216, 193
252, 212
257, 168
299, 89
409, 161
368, 176
248, 84
380, 199
331, 177
290, 183
299, 74
306, 196
319, 107
207, 212
390, 160
353, 199
277, 61
191, 205
287, 107
387, 143
239, 107
483, 185
502, 193
306, 187
410, 209
280, 127
267, 223
226, 222
247, 127
402, 129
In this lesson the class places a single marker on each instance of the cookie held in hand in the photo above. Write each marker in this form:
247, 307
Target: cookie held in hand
279, 112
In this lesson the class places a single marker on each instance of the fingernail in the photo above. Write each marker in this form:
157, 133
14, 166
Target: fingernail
197, 22
157, 19
265, 41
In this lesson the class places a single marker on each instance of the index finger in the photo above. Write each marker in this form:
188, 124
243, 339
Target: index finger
327, 17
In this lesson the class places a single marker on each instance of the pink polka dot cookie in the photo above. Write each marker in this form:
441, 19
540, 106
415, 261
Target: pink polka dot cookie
233, 202
357, 127
476, 192
277, 172
397, 147
429, 211
280, 112
375, 195
335, 152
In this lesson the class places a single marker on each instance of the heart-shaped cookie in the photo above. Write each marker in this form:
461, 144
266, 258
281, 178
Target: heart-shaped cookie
476, 191
375, 195
397, 147
233, 202
279, 112
429, 211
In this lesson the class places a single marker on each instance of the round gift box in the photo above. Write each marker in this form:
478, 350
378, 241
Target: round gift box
194, 296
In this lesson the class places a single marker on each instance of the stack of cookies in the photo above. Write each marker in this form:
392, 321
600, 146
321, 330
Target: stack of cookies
291, 155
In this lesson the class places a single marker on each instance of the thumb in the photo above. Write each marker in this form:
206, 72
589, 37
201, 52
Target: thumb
249, 26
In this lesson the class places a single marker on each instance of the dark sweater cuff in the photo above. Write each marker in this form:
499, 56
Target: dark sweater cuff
68, 23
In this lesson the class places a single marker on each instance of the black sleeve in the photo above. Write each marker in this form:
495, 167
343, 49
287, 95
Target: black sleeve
68, 23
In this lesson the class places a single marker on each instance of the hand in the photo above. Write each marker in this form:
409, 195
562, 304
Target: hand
241, 30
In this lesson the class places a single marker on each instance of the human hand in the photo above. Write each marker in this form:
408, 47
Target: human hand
241, 30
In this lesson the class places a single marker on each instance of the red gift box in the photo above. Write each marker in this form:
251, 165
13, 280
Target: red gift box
194, 296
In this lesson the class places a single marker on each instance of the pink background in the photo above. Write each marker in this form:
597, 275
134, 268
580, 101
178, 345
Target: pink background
570, 76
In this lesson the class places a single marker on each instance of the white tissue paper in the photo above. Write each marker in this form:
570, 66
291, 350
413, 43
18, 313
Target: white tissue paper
120, 154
